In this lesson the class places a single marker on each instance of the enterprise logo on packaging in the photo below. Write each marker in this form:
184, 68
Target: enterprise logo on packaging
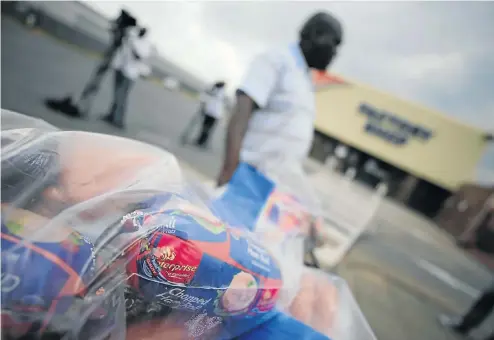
171, 259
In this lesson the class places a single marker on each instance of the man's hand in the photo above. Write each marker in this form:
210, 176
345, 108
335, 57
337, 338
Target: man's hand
236, 131
224, 177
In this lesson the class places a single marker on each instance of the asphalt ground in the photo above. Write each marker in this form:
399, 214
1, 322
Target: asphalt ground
35, 66
402, 275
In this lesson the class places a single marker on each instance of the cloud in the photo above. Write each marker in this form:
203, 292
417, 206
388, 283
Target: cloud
438, 54
420, 67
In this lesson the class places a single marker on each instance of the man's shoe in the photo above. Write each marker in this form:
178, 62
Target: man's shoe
64, 106
201, 146
57, 104
119, 125
108, 119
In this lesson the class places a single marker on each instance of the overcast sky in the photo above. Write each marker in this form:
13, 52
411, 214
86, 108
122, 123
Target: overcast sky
438, 54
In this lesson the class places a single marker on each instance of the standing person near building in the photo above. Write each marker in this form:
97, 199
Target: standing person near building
130, 63
275, 108
81, 107
212, 108
484, 305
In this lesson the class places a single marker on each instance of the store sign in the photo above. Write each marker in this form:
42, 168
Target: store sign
392, 128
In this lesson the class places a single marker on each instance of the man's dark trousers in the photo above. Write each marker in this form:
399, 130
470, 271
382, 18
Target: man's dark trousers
92, 87
121, 91
208, 124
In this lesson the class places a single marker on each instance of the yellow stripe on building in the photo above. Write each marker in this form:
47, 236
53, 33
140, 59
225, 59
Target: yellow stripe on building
416, 139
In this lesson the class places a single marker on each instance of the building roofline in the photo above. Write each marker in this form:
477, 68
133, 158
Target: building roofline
409, 102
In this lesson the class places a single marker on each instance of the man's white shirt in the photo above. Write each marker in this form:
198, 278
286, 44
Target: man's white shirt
124, 59
282, 129
214, 102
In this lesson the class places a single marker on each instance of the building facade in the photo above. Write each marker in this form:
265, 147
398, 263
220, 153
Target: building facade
421, 155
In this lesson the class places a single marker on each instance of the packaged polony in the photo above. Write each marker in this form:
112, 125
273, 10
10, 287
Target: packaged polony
190, 260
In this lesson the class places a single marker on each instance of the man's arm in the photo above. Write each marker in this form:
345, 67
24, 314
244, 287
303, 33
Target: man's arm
235, 135
253, 93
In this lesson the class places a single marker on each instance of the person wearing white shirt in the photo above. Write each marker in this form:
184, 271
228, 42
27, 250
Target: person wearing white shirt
130, 63
80, 107
273, 119
212, 110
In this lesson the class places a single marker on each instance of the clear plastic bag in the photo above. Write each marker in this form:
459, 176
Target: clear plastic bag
278, 204
103, 238
268, 208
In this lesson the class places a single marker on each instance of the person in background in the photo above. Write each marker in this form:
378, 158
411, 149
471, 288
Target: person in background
81, 107
477, 314
275, 104
484, 305
212, 108
130, 63
341, 153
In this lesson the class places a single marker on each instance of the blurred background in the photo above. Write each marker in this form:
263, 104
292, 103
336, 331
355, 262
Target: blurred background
407, 109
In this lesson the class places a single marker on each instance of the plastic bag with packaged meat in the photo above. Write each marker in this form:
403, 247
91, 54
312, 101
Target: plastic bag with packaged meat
277, 203
103, 238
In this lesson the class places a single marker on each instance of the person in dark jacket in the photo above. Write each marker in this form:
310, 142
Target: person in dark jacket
484, 305
81, 107
475, 316
212, 111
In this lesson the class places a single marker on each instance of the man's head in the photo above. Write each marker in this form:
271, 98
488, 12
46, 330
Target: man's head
125, 20
319, 39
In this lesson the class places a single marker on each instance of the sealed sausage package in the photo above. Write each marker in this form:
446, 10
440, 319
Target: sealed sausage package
103, 238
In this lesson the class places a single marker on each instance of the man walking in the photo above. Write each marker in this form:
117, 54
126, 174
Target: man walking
82, 106
273, 119
130, 63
